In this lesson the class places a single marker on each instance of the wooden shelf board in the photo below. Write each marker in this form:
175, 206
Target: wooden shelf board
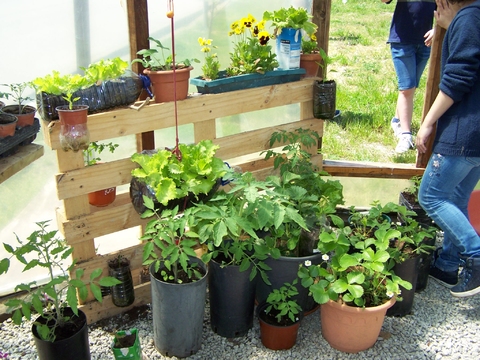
25, 155
371, 169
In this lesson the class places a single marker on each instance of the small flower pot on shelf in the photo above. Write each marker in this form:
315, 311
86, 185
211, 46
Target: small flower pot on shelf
25, 118
8, 123
102, 197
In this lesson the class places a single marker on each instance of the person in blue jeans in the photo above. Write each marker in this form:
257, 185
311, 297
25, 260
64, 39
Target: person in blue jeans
453, 170
410, 38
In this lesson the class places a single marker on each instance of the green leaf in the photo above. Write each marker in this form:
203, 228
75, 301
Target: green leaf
95, 274
96, 291
4, 265
347, 260
339, 286
109, 281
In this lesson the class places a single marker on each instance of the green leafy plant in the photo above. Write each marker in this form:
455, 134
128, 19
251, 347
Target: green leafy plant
49, 300
282, 305
295, 18
414, 187
170, 233
326, 60
104, 70
251, 52
173, 177
154, 59
212, 66
66, 85
16, 94
356, 268
230, 223
304, 185
309, 44
91, 154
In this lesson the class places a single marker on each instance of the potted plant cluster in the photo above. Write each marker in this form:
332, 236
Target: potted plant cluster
60, 327
171, 177
231, 224
91, 157
24, 113
280, 318
169, 82
252, 62
313, 195
289, 24
359, 274
409, 198
105, 84
178, 280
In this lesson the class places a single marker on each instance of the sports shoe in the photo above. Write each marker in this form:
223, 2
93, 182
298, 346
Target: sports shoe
396, 127
404, 144
469, 283
445, 278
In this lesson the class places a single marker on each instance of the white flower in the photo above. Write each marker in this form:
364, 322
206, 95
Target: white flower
325, 257
390, 294
308, 263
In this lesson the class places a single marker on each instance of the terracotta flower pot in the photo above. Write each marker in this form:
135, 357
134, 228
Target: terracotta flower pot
352, 329
102, 197
74, 133
164, 86
27, 116
8, 123
309, 62
275, 336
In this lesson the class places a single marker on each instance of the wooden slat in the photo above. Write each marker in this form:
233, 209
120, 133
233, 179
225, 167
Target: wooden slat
126, 121
25, 155
96, 311
101, 221
255, 141
371, 169
92, 178
433, 80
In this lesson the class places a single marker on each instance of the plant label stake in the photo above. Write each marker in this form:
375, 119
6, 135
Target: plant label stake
170, 13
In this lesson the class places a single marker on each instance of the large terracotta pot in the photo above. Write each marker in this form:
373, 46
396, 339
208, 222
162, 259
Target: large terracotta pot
309, 62
26, 118
352, 329
164, 88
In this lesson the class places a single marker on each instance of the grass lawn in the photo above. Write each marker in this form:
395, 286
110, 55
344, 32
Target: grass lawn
366, 85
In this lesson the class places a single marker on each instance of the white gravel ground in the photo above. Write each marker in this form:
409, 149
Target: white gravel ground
440, 327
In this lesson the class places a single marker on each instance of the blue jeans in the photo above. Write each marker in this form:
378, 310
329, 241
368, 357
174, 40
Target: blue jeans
446, 187
409, 61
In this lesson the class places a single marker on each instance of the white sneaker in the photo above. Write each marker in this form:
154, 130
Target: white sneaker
396, 127
404, 144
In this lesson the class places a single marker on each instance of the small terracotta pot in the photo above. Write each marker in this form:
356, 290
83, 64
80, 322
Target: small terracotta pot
277, 337
164, 86
26, 118
352, 329
74, 133
8, 123
102, 197
309, 62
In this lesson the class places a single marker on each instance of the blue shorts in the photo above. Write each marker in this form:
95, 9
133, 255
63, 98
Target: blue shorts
409, 61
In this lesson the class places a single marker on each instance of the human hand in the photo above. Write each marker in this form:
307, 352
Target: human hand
422, 137
444, 13
429, 37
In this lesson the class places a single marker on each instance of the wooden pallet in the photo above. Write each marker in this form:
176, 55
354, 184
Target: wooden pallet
81, 223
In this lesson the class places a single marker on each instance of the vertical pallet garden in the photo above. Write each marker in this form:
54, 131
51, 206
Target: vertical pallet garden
80, 223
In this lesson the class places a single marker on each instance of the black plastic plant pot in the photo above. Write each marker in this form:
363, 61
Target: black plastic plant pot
324, 99
232, 300
73, 347
177, 312
424, 266
407, 270
122, 294
285, 269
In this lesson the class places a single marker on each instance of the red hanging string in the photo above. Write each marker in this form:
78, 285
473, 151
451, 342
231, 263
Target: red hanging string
170, 14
